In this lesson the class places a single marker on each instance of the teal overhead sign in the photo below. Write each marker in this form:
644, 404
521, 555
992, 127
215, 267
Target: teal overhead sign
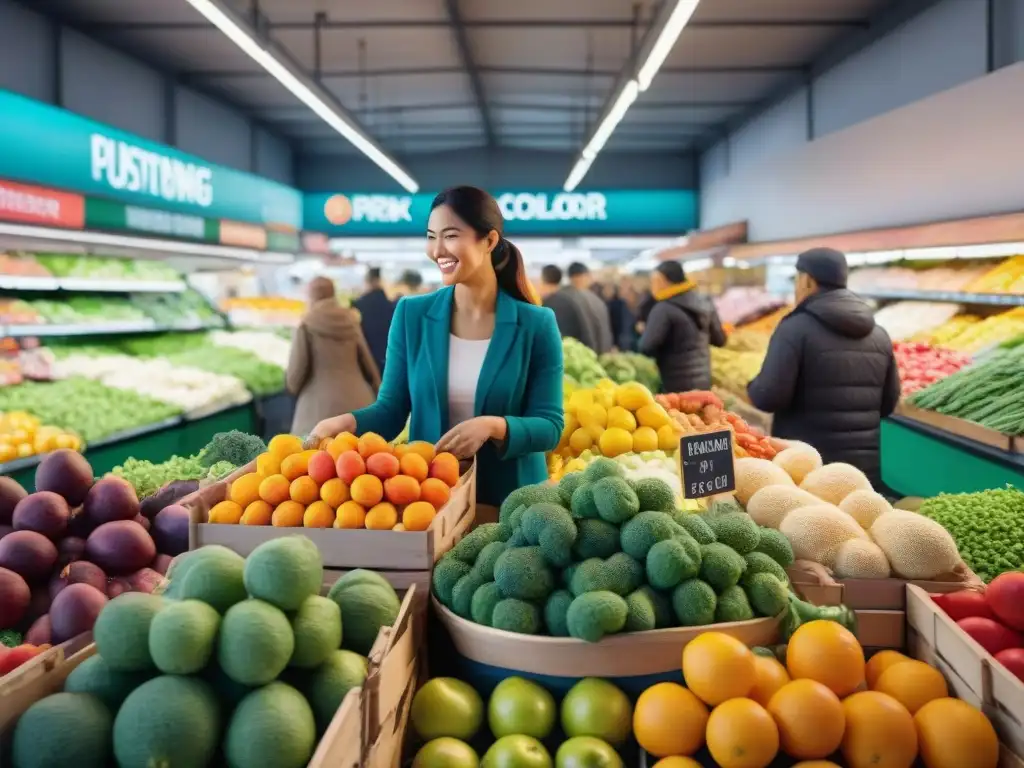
595, 212
46, 145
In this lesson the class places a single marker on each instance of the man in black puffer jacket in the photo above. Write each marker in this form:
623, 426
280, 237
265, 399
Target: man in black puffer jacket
830, 375
679, 329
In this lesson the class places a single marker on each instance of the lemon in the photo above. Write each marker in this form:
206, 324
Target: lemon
571, 421
652, 415
645, 439
633, 396
581, 398
605, 397
668, 438
592, 416
606, 384
615, 441
580, 440
595, 430
621, 418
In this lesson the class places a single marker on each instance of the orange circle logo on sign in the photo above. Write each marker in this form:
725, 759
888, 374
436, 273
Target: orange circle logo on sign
338, 210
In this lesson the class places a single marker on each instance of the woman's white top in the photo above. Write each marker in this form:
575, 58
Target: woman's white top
465, 359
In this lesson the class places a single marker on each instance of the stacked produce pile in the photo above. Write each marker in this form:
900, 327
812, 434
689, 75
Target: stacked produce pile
263, 311
751, 338
986, 527
739, 304
921, 365
942, 335
178, 309
18, 312
598, 555
99, 268
765, 325
993, 618
830, 515
698, 412
22, 265
189, 390
350, 482
1008, 277
624, 367
86, 408
74, 543
234, 664
989, 393
23, 435
906, 319
268, 347
942, 278
996, 329
581, 364
87, 310
733, 370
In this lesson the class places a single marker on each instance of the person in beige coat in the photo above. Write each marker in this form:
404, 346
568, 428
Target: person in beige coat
331, 370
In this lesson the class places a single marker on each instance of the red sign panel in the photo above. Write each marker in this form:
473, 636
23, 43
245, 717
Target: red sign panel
37, 205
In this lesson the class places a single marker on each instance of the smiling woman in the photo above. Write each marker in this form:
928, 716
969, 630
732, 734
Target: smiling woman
476, 367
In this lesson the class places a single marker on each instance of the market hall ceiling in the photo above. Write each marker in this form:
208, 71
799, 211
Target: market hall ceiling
435, 75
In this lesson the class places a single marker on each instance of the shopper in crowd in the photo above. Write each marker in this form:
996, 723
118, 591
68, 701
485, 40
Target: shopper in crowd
621, 317
331, 369
410, 283
581, 279
570, 311
476, 366
678, 332
829, 375
375, 311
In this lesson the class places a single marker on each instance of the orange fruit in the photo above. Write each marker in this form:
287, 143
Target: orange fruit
421, 448
245, 490
371, 443
229, 512
346, 441
304, 490
810, 719
267, 464
816, 764
283, 446
953, 734
827, 652
669, 720
445, 467
274, 489
325, 442
367, 490
382, 517
334, 492
435, 492
350, 515
769, 676
401, 490
913, 684
257, 513
382, 465
418, 516
741, 734
718, 667
321, 467
288, 514
880, 662
677, 761
415, 466
334, 447
879, 733
295, 466
318, 515
350, 465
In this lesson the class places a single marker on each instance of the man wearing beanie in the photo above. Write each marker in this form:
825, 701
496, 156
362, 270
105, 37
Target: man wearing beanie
829, 375
679, 330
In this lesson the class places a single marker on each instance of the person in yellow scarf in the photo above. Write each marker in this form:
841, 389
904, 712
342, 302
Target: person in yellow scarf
680, 329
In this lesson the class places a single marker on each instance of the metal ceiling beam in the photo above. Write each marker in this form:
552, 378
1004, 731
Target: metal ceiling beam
390, 109
764, 24
469, 63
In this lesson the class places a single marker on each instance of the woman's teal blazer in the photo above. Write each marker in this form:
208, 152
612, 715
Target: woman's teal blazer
521, 381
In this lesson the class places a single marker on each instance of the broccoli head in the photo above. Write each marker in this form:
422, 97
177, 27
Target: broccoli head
759, 562
556, 611
236, 448
721, 566
522, 572
723, 506
589, 576
645, 530
596, 538
615, 501
655, 495
567, 487
664, 616
526, 496
601, 468
463, 591
627, 573
640, 615
513, 615
473, 543
736, 530
668, 563
582, 503
696, 526
220, 470
484, 565
775, 544
551, 528
767, 594
733, 605
446, 575
694, 603
481, 607
595, 614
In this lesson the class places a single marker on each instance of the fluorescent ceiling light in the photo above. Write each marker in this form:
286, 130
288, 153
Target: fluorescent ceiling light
241, 37
577, 173
604, 131
665, 41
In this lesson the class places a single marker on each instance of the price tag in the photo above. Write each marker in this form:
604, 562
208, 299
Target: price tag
706, 464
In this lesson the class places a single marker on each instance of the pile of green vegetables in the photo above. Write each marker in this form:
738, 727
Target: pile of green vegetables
988, 527
580, 363
599, 555
990, 393
622, 367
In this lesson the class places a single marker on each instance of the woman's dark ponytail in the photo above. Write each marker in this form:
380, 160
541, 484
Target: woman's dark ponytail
481, 211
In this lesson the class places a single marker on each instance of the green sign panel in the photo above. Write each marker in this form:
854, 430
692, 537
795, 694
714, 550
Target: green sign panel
45, 145
285, 242
110, 215
595, 212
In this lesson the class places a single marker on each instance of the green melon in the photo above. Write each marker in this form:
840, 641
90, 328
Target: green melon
63, 729
255, 643
121, 631
272, 726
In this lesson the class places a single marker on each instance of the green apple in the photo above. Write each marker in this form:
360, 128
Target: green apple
446, 753
445, 706
516, 752
520, 706
595, 707
587, 752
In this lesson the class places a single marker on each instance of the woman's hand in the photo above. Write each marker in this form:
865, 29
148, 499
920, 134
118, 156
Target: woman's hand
332, 428
465, 439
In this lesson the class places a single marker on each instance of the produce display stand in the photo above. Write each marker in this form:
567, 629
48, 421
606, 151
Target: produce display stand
959, 427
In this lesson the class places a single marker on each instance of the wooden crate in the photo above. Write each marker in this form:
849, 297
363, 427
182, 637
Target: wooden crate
380, 550
959, 427
342, 743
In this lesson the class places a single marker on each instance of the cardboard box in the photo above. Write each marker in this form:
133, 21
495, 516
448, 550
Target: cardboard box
380, 550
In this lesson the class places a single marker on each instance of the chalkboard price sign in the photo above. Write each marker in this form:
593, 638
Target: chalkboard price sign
706, 464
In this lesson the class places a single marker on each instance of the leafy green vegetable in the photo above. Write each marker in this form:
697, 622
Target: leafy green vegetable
147, 478
220, 470
10, 638
234, 447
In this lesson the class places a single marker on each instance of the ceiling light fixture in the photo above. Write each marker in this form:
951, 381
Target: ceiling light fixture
661, 37
302, 88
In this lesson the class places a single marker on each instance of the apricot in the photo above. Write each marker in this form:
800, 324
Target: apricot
257, 513
418, 516
335, 492
382, 517
350, 466
415, 466
401, 490
350, 515
288, 515
445, 467
367, 490
372, 443
274, 489
382, 465
304, 490
318, 515
295, 466
321, 467
435, 492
